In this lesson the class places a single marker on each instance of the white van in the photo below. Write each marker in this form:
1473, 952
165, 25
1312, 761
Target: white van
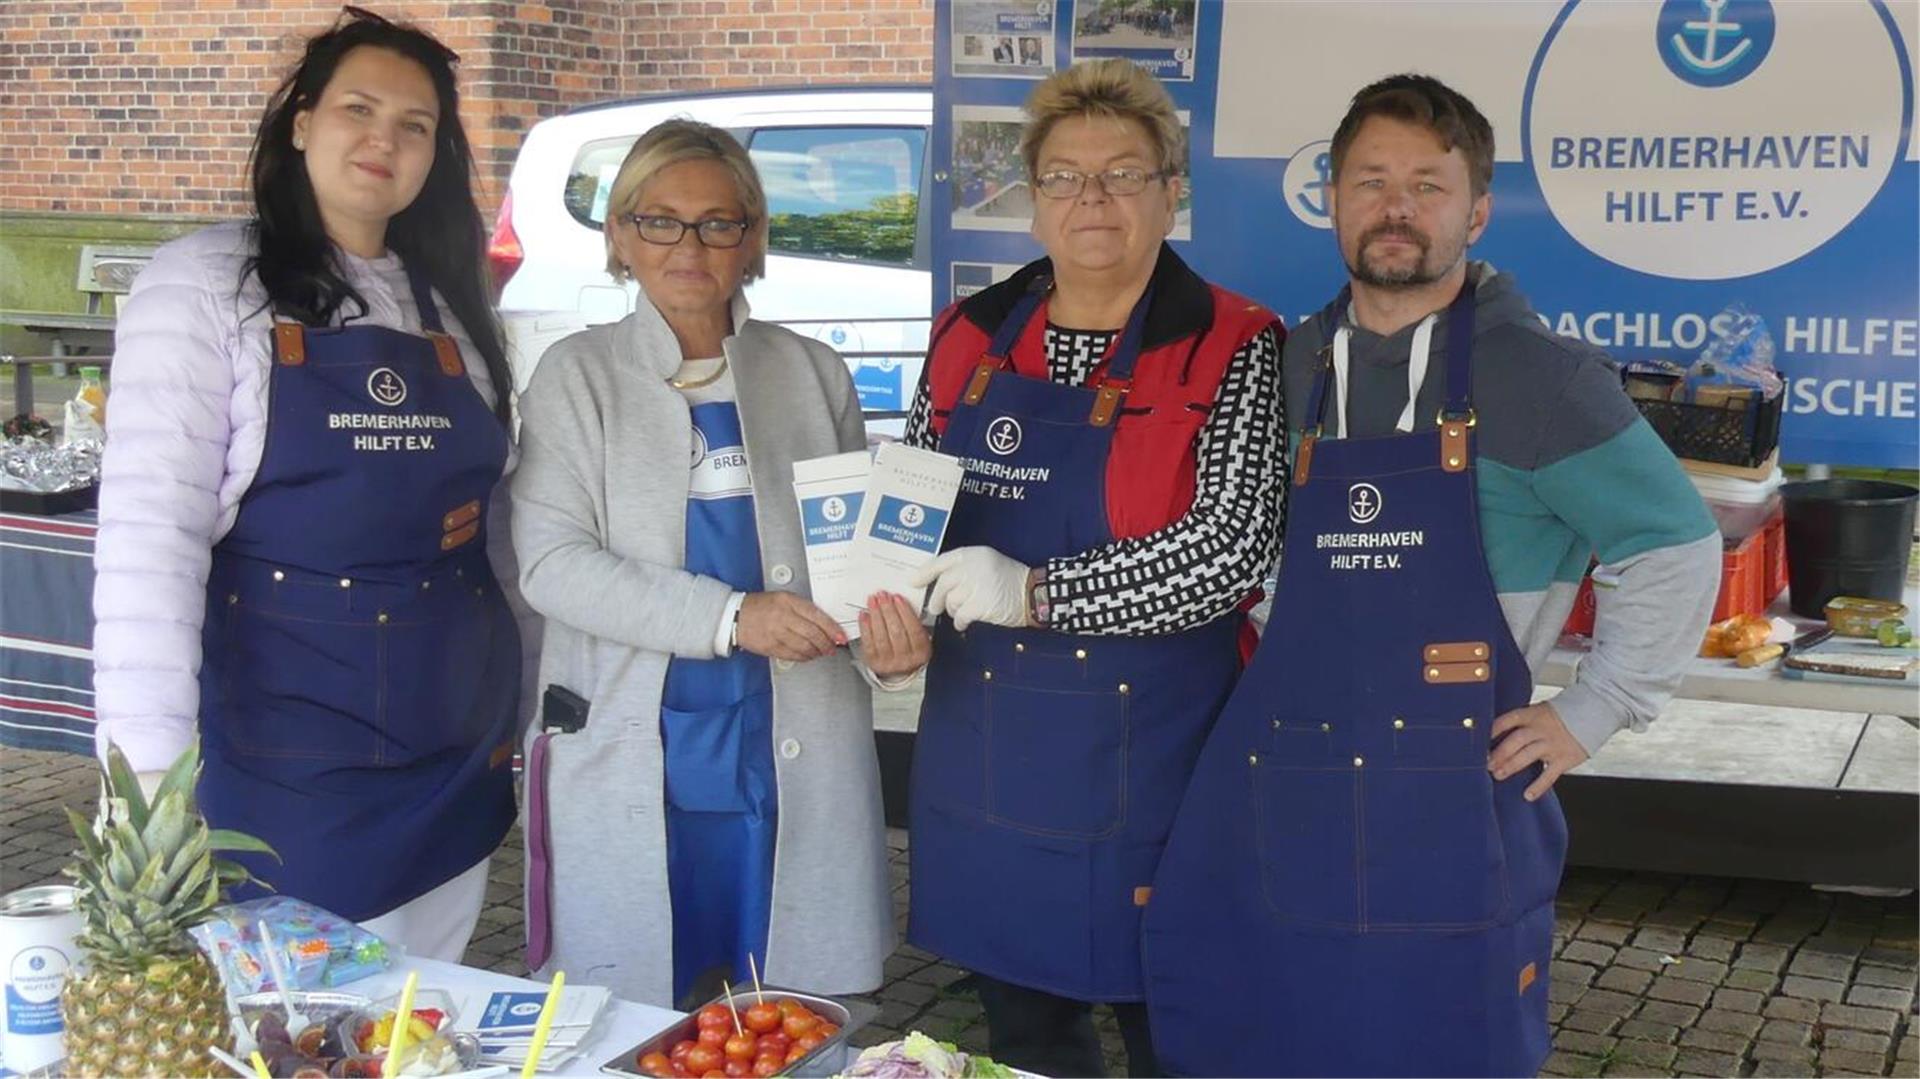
845, 171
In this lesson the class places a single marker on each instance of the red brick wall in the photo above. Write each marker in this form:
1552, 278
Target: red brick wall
148, 107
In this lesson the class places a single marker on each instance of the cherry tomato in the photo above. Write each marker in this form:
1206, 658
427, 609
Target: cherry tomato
808, 1041
680, 1071
795, 1053
761, 1018
715, 1016
826, 1030
738, 1069
714, 1074
788, 1006
680, 1050
657, 1065
740, 1047
702, 1059
775, 1041
798, 1023
767, 1066
715, 1037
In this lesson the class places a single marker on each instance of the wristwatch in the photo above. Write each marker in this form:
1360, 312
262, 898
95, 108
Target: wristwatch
1039, 606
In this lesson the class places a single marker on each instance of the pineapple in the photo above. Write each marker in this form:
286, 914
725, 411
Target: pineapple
149, 1002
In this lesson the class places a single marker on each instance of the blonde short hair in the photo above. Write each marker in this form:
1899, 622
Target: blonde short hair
670, 143
1112, 88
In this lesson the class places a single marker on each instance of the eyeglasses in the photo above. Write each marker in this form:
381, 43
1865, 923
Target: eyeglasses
712, 232
1067, 183
360, 14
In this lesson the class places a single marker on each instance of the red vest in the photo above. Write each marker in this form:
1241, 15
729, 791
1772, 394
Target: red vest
1151, 466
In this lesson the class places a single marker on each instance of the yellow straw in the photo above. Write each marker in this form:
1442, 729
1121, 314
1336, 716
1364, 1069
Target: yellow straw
544, 1027
260, 1066
402, 1026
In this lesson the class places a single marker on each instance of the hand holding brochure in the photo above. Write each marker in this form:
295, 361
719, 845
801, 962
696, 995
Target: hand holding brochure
910, 496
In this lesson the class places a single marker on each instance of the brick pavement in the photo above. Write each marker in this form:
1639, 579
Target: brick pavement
1652, 975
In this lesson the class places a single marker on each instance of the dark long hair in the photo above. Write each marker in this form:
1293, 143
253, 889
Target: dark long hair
439, 235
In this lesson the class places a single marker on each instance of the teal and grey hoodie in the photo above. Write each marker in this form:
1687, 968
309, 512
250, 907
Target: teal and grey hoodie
1567, 469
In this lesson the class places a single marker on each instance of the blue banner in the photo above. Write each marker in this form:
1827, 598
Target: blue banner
1656, 162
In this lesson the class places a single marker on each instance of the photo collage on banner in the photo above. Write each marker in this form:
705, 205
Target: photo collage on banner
1657, 163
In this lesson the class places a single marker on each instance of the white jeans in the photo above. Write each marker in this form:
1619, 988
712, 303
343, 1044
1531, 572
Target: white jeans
439, 924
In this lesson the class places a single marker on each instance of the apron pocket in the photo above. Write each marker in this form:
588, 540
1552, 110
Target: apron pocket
446, 680
1306, 835
302, 688
1433, 852
703, 751
1056, 760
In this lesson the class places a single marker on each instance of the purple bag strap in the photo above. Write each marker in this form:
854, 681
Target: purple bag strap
539, 858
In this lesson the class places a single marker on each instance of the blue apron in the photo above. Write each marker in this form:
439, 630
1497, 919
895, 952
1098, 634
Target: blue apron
360, 672
1048, 766
1346, 877
716, 729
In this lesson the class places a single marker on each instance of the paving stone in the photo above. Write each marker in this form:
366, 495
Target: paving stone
1717, 949
1590, 1022
1779, 1069
1909, 1045
1680, 991
1714, 1041
1737, 1000
1752, 981
1571, 1064
1878, 1020
1555, 1013
1559, 992
1705, 971
1646, 1054
1838, 945
1678, 919
1609, 1003
1643, 1030
1853, 1060
907, 992
1813, 988
1575, 1041
1798, 1011
1800, 1055
1586, 951
1661, 1011
1661, 940
1787, 930
1889, 977
1857, 1040
1731, 929
1875, 996
1703, 1062
1622, 980
1786, 1032
1724, 1022
1612, 933
1817, 965
1576, 973
1771, 958
1903, 955
1640, 959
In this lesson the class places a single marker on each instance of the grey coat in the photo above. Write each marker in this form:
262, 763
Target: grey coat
599, 526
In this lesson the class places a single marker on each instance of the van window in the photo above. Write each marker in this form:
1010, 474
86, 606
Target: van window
590, 181
848, 193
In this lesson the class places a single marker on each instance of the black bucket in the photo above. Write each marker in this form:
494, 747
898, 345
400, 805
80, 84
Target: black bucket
1846, 538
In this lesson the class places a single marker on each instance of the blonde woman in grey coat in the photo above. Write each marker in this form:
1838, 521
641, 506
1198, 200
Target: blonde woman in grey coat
720, 797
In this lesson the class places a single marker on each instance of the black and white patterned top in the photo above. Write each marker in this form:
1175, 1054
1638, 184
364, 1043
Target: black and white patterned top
1201, 566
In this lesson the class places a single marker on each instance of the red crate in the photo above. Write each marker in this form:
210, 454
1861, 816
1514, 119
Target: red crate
1752, 573
1776, 533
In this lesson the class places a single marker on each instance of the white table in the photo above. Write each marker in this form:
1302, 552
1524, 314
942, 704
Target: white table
622, 1025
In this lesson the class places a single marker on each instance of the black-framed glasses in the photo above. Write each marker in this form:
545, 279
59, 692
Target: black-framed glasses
360, 14
666, 231
1068, 183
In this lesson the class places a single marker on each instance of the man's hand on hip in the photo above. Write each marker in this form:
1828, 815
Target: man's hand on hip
1534, 735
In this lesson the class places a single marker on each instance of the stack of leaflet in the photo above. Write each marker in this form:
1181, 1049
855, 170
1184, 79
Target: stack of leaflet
504, 1021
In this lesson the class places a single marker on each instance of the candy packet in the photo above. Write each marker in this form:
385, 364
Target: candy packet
318, 949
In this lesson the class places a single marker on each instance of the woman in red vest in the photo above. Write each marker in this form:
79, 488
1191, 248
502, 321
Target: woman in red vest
1120, 421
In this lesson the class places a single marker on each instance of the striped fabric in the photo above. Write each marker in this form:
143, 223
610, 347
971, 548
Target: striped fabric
46, 632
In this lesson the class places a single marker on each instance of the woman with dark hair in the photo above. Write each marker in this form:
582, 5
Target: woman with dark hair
298, 509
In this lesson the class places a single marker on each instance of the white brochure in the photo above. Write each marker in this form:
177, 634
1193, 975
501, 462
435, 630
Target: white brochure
910, 496
831, 491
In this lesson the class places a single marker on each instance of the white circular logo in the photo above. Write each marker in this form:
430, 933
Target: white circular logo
524, 1008
699, 447
37, 974
1727, 145
1003, 435
386, 387
912, 515
1305, 184
834, 508
1363, 503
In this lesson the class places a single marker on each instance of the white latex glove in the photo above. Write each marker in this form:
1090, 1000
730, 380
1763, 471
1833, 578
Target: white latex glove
976, 584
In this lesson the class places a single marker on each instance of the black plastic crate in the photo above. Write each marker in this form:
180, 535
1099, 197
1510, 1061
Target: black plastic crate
49, 504
1728, 436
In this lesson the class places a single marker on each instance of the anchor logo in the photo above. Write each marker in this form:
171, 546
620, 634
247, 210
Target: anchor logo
834, 509
912, 515
1305, 184
386, 387
1714, 42
1003, 435
1363, 503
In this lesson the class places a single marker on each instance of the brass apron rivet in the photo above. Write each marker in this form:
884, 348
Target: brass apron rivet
279, 576
1326, 728
382, 619
1399, 724
1253, 758
1079, 653
1124, 688
233, 597
1467, 723
1019, 647
345, 583
1359, 762
988, 675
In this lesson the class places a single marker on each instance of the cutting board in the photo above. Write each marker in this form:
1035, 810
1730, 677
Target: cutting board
1853, 659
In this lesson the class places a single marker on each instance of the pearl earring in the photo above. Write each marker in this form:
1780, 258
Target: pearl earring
299, 143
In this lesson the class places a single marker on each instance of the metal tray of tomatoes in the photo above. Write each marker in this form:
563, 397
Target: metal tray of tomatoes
828, 1057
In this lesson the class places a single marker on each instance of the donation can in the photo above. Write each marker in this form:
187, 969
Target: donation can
38, 931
